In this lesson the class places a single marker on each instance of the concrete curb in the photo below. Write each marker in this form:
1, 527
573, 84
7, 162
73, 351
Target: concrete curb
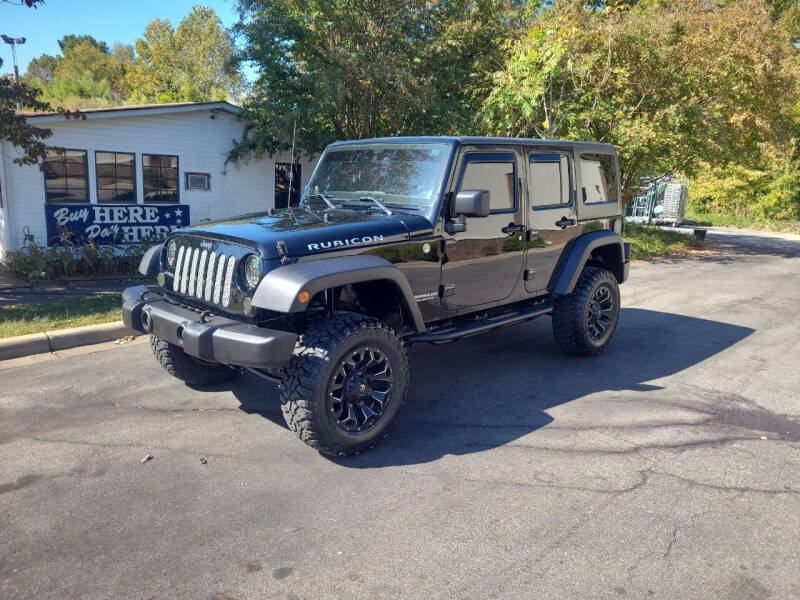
61, 339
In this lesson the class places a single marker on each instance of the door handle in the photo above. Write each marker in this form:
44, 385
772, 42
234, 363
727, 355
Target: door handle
513, 228
564, 222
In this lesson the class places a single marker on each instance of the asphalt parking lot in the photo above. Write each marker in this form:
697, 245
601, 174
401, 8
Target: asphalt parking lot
666, 468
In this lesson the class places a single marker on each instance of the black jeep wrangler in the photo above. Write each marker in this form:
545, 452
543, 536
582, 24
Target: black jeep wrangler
394, 242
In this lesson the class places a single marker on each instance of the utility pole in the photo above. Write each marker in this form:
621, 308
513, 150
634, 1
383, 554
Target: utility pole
13, 42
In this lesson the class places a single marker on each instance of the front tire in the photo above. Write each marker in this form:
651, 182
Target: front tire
343, 388
585, 320
189, 370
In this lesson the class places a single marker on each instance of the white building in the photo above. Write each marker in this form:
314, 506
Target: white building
133, 171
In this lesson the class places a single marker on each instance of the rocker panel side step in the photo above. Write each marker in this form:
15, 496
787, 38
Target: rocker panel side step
451, 334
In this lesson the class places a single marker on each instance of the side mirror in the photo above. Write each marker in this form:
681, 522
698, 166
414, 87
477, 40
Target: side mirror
471, 203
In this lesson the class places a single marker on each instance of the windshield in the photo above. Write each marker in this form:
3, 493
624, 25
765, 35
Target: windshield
402, 176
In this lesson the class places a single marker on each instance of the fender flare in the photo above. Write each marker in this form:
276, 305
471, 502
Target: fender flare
580, 252
150, 264
279, 288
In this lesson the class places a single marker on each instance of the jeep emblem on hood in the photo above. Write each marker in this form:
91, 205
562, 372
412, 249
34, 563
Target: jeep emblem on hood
205, 244
346, 242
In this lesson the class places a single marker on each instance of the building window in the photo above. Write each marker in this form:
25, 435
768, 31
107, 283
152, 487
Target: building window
198, 181
66, 176
282, 182
160, 178
116, 177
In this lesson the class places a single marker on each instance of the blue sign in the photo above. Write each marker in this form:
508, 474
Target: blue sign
106, 224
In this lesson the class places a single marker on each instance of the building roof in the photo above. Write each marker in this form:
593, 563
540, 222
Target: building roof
136, 110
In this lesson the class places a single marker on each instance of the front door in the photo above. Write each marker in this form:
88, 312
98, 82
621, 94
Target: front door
553, 220
483, 264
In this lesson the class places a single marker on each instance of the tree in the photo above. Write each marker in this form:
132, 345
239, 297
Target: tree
82, 57
71, 40
674, 87
193, 62
42, 68
354, 69
13, 126
86, 74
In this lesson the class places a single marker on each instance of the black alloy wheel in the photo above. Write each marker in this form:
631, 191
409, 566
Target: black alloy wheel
599, 313
360, 389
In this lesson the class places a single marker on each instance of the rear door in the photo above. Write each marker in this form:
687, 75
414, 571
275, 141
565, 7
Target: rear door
552, 214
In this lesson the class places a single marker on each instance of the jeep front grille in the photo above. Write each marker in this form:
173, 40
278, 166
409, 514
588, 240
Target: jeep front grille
204, 274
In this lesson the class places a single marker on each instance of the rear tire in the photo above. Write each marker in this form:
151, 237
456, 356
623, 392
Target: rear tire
190, 370
343, 388
585, 320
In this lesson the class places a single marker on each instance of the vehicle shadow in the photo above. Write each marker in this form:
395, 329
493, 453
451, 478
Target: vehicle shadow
489, 390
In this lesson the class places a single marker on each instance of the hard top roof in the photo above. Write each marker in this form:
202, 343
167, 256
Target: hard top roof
503, 141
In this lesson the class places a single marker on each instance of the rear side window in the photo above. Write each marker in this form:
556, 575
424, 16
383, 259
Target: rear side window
493, 172
597, 178
549, 179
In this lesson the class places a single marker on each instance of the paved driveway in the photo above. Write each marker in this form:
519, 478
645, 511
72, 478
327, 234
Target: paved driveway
667, 468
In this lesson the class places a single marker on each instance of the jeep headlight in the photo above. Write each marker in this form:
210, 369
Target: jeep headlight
252, 270
172, 251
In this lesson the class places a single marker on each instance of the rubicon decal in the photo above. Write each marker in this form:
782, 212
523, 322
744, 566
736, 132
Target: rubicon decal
347, 242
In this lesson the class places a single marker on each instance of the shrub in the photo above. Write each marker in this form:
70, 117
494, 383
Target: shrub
72, 257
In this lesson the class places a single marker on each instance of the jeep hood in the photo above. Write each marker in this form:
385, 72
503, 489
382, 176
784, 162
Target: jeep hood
305, 232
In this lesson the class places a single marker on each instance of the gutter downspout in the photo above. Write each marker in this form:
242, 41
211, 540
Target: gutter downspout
8, 230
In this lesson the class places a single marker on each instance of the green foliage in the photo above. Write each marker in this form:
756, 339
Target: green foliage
42, 68
14, 128
649, 242
706, 219
346, 69
85, 75
674, 87
73, 257
768, 189
193, 62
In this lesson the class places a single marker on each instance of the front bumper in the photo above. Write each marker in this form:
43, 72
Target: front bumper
213, 339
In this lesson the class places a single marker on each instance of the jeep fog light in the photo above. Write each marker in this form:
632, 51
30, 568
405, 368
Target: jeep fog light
252, 270
161, 280
247, 305
172, 250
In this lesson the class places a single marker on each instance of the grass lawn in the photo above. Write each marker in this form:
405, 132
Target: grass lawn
715, 220
20, 319
652, 242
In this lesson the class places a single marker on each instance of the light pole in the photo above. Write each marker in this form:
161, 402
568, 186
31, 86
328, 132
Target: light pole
13, 42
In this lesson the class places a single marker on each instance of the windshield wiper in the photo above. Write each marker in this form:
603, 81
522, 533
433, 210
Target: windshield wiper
377, 203
330, 204
400, 206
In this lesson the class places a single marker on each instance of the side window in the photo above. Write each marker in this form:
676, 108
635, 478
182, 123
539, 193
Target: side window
597, 178
116, 178
549, 179
493, 172
160, 178
66, 176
